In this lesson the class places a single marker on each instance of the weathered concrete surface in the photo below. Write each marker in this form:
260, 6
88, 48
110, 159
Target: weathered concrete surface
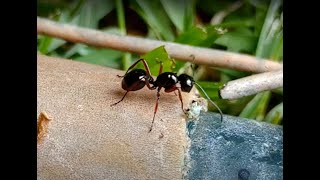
82, 137
235, 149
85, 138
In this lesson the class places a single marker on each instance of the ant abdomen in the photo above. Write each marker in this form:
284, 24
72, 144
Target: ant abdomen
135, 80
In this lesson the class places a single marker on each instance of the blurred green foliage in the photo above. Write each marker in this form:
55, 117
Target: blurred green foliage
252, 27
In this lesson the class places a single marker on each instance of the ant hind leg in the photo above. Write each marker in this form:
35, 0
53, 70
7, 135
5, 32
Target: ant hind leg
120, 99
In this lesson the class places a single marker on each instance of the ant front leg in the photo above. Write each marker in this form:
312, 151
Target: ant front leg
174, 88
180, 97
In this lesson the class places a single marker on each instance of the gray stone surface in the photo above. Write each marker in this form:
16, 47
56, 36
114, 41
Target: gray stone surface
235, 149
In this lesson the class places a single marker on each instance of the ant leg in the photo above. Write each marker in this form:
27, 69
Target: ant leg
129, 89
161, 68
156, 108
179, 92
175, 93
180, 97
150, 78
120, 99
145, 64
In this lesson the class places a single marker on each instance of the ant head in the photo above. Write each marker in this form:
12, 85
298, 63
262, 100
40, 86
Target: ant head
186, 82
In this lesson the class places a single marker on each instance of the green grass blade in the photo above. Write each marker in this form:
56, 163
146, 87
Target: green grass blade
270, 41
91, 11
175, 10
270, 27
256, 108
180, 13
155, 16
189, 15
275, 115
44, 43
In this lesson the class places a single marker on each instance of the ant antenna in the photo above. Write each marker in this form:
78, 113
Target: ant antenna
221, 114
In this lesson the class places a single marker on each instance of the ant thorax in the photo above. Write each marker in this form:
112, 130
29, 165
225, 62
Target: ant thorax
166, 80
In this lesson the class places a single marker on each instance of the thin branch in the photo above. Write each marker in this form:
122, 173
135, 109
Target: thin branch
252, 85
204, 56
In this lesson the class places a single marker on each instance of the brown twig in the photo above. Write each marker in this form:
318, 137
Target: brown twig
204, 56
252, 85
42, 126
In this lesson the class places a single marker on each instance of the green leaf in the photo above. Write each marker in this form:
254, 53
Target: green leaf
211, 88
155, 16
199, 36
271, 27
193, 36
239, 22
45, 8
238, 41
103, 57
259, 4
91, 11
277, 47
213, 6
233, 74
44, 43
278, 91
74, 50
154, 58
180, 12
275, 115
256, 108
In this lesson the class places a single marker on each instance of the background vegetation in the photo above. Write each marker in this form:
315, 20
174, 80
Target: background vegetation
251, 27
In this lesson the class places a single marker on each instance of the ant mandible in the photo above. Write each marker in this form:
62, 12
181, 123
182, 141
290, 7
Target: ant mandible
138, 78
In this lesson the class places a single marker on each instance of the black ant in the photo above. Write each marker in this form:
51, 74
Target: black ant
137, 78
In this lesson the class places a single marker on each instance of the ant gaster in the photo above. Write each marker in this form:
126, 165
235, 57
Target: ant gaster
138, 78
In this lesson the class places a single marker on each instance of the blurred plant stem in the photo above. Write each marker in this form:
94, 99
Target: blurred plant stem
204, 56
126, 59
